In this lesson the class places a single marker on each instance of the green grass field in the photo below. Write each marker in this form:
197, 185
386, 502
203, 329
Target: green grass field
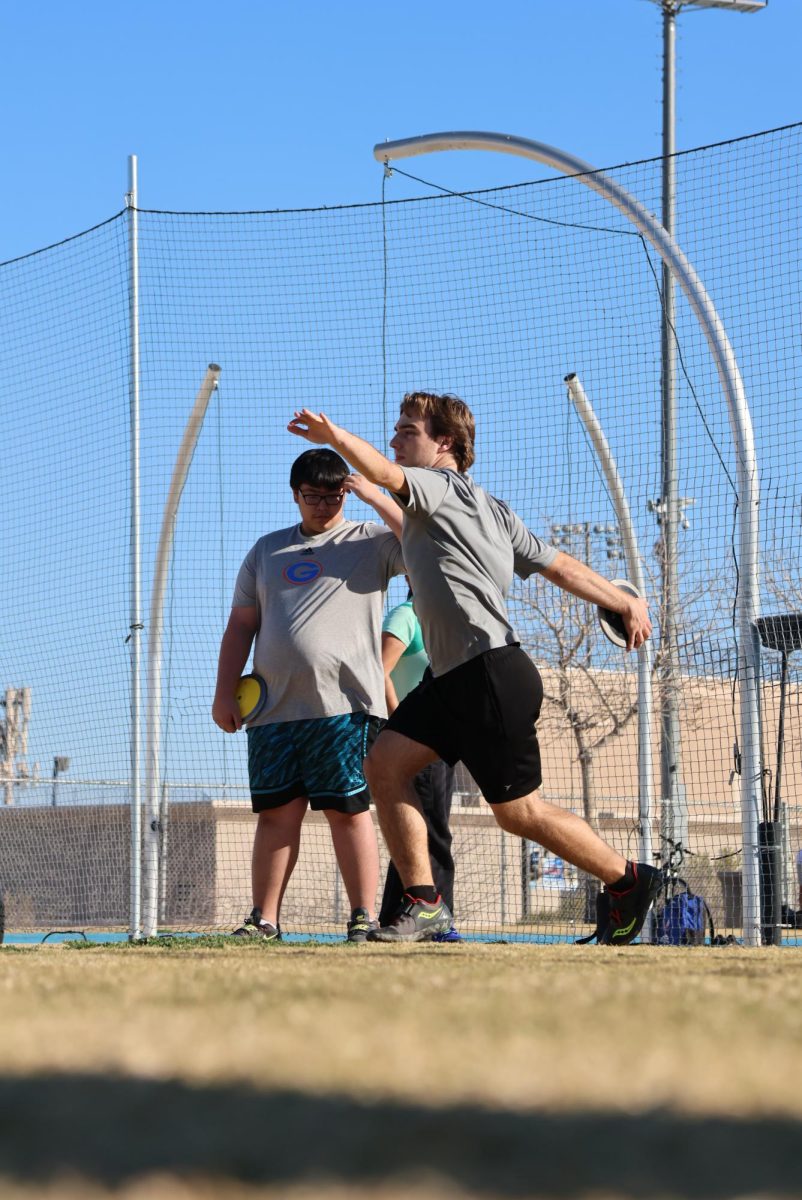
211, 1069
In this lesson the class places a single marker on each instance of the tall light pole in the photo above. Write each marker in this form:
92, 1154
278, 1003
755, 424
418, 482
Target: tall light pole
674, 808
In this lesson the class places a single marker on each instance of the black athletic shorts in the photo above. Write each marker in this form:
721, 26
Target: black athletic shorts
482, 713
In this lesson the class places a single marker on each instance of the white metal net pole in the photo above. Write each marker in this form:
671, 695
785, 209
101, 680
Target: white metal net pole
150, 848
135, 620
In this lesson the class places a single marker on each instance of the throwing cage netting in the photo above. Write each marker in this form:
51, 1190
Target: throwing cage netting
497, 296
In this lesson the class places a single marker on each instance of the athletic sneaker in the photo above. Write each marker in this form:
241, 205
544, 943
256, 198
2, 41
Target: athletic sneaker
450, 935
627, 910
415, 921
360, 925
254, 927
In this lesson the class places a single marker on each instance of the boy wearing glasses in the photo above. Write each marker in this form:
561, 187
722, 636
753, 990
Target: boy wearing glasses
311, 598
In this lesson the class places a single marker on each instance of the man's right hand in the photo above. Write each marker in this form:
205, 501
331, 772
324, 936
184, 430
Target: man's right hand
225, 714
637, 622
315, 427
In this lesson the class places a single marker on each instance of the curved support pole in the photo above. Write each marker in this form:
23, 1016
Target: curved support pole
151, 830
743, 437
634, 563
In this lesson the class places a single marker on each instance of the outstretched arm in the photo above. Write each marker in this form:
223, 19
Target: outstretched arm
317, 428
574, 576
384, 507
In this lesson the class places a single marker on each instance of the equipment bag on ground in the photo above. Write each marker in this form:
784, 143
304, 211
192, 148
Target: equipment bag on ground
683, 920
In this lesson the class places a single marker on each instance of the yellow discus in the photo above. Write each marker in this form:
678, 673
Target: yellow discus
251, 696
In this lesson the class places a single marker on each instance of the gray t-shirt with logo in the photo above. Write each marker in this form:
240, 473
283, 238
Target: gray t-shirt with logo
320, 602
461, 548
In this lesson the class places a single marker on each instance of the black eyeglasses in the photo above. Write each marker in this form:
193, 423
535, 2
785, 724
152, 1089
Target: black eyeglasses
315, 501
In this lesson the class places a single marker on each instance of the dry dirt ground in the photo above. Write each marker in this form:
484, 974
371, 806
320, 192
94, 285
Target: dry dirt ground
322, 1073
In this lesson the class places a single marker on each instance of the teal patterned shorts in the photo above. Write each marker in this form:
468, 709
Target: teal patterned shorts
320, 759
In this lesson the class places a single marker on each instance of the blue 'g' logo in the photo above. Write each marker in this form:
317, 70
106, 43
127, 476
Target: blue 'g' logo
302, 572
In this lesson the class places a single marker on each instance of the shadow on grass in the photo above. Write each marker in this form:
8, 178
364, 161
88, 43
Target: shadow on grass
111, 1130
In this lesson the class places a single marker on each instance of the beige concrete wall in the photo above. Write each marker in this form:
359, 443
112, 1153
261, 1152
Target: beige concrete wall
709, 727
69, 867
63, 867
488, 873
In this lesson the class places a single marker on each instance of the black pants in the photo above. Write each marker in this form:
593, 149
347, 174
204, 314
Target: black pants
434, 785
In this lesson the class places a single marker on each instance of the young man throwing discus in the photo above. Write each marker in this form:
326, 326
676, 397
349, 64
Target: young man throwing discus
461, 547
312, 597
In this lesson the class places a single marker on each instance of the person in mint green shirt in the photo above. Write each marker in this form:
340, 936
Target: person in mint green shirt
405, 663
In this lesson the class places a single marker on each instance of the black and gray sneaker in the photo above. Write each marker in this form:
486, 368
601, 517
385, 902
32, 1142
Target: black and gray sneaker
415, 921
626, 911
360, 925
254, 927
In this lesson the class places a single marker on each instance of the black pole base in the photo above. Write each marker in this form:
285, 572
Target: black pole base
770, 882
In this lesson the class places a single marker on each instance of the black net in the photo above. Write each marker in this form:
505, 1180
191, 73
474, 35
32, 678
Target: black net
496, 296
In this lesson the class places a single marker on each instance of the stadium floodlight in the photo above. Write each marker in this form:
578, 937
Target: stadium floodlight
744, 6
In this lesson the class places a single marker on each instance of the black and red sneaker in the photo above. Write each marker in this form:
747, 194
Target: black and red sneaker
626, 911
415, 921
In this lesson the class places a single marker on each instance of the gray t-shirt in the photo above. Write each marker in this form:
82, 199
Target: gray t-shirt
320, 602
461, 547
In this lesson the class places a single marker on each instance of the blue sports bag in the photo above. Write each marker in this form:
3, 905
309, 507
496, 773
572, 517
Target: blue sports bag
683, 920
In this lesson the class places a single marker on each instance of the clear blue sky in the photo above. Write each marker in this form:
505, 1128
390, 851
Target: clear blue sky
278, 103
244, 105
